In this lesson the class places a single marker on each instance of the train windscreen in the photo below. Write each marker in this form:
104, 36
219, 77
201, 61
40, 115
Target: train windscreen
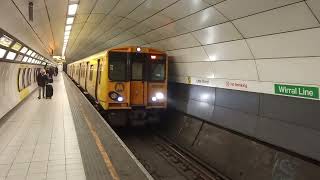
157, 68
117, 66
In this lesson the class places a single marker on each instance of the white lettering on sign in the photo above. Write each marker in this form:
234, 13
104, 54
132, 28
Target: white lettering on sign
296, 90
236, 84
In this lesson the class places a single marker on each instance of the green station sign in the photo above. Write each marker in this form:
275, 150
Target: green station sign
299, 91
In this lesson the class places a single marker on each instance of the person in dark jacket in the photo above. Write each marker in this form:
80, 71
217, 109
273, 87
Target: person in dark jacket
51, 72
56, 70
42, 79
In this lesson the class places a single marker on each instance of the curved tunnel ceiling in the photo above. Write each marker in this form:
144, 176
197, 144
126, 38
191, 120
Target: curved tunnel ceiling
247, 40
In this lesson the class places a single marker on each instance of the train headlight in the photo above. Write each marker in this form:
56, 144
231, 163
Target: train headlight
154, 99
120, 99
159, 95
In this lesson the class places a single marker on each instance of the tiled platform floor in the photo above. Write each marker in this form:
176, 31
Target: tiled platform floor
39, 140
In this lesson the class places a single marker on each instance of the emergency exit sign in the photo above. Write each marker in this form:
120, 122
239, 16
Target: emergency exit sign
299, 91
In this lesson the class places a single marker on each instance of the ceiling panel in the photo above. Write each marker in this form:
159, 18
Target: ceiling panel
96, 18
233, 50
184, 8
124, 7
213, 2
189, 55
149, 8
293, 44
140, 29
216, 34
289, 18
205, 18
315, 6
171, 30
104, 6
81, 18
57, 19
86, 6
179, 42
233, 9
157, 21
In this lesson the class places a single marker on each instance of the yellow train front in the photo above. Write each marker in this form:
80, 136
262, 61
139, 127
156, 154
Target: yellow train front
128, 83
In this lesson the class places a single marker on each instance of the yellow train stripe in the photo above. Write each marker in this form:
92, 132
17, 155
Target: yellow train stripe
102, 150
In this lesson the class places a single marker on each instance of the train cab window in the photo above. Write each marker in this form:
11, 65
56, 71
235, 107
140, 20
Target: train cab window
157, 68
118, 66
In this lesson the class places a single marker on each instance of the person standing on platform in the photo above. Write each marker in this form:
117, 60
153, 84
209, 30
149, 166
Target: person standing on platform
42, 79
56, 70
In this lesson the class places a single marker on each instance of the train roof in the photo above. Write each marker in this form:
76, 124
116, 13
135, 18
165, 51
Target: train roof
120, 49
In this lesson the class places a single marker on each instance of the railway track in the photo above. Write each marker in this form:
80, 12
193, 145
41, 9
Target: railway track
164, 160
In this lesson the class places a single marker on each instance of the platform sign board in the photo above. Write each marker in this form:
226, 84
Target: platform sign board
298, 91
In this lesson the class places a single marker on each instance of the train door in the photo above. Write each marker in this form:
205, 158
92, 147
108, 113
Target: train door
98, 78
137, 79
85, 76
79, 73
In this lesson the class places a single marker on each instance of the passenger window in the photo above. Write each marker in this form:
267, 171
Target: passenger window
91, 72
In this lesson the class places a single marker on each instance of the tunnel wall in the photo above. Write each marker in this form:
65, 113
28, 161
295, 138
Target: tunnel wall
9, 94
239, 132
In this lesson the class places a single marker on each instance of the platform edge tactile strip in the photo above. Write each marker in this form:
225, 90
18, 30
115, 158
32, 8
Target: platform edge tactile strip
122, 159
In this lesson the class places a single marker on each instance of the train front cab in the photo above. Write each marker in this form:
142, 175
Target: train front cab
137, 85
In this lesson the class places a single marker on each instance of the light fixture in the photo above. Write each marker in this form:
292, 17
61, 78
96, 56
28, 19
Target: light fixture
70, 20
138, 49
120, 99
72, 9
153, 57
68, 27
11, 55
2, 52
154, 99
159, 95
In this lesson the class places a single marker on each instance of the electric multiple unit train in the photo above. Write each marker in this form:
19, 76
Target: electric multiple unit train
129, 84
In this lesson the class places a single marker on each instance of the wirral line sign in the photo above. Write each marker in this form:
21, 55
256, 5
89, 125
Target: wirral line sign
299, 91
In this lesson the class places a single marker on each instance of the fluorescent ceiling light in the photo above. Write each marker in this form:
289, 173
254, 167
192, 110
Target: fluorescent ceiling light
66, 37
67, 33
11, 55
68, 27
25, 59
72, 9
24, 50
70, 20
2, 52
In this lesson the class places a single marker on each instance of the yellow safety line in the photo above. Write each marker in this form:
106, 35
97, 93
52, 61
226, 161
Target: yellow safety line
102, 150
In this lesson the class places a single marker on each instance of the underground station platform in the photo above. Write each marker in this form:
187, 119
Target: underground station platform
63, 138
